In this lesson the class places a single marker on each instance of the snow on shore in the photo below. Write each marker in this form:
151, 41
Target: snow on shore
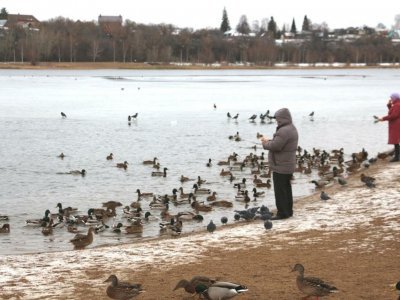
52, 275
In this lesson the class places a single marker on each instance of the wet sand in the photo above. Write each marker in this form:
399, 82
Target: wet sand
351, 241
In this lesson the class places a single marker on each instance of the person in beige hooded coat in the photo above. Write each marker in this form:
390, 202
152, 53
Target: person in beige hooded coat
282, 161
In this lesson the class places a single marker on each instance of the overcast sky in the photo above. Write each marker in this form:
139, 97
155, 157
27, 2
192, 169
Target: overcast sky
208, 14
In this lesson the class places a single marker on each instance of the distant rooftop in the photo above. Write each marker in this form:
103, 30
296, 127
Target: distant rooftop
110, 19
24, 21
15, 18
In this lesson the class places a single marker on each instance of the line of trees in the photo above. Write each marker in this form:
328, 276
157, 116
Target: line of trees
64, 40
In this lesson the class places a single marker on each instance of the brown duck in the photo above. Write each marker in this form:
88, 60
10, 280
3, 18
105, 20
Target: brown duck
82, 240
123, 165
312, 286
5, 228
47, 230
122, 290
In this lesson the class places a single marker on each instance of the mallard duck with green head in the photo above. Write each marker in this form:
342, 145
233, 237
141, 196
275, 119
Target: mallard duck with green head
312, 286
40, 222
190, 285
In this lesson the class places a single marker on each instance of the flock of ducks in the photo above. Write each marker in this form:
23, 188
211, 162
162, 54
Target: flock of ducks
215, 289
330, 166
264, 118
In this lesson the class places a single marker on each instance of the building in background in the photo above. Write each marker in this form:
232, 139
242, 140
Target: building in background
110, 25
22, 21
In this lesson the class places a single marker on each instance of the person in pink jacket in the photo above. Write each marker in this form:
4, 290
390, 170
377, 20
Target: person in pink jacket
393, 117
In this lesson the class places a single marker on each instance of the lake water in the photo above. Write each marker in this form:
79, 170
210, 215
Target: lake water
176, 123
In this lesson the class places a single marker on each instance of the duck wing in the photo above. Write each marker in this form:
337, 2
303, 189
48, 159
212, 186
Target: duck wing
79, 237
202, 279
319, 285
127, 285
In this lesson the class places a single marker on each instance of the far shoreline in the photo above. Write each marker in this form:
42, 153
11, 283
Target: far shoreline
183, 66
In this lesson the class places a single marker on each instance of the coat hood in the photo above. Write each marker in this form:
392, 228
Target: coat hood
283, 117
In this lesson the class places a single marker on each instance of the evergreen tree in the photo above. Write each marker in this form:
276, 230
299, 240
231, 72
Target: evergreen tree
225, 22
243, 26
306, 24
293, 28
272, 27
3, 14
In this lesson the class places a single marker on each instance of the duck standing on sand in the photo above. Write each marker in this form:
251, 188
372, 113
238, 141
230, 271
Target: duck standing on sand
312, 286
122, 290
368, 180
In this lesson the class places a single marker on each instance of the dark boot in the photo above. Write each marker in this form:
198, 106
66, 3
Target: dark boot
396, 156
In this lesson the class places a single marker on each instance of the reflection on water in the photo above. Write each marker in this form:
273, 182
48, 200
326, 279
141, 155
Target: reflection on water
176, 123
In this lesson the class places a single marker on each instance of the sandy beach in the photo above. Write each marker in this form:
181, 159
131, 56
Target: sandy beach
351, 241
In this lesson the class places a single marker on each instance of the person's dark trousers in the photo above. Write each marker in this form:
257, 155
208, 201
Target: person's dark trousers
283, 194
396, 156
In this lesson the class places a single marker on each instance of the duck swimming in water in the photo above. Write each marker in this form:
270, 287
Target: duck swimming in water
77, 172
150, 162
82, 240
5, 228
40, 222
163, 174
123, 165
